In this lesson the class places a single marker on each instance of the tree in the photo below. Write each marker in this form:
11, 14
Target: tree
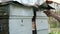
52, 14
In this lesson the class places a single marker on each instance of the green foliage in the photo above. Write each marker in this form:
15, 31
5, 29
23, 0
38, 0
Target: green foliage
52, 33
55, 32
53, 25
59, 32
53, 22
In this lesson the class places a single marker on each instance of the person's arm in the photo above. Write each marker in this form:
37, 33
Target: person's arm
52, 14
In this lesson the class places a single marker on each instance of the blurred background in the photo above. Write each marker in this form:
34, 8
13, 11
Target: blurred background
54, 25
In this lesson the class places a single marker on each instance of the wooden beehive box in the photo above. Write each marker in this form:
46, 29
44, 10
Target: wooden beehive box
20, 18
41, 23
4, 19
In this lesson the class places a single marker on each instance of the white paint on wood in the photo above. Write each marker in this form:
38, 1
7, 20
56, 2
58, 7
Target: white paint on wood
20, 20
40, 13
30, 2
5, 0
41, 23
41, 2
21, 11
43, 31
16, 26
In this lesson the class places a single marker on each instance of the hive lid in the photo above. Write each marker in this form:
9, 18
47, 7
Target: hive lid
45, 6
15, 2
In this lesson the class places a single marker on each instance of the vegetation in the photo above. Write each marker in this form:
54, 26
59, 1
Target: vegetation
54, 25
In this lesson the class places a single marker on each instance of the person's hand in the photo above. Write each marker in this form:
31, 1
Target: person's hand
48, 13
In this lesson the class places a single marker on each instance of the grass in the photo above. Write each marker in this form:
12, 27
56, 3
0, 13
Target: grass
55, 32
59, 32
